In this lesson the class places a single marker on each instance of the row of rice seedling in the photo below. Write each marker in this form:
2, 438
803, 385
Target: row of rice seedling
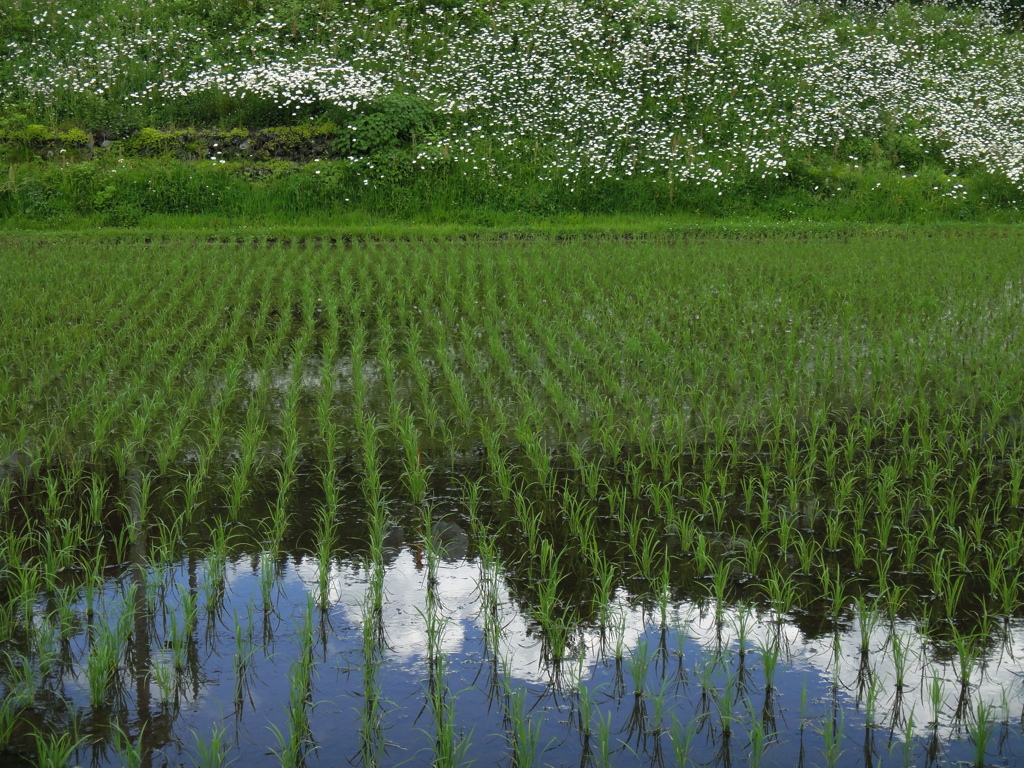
823, 433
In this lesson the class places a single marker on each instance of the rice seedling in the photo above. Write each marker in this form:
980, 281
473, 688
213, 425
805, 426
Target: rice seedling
900, 658
601, 461
8, 718
24, 680
212, 751
130, 755
294, 744
758, 743
602, 755
102, 664
682, 740
55, 751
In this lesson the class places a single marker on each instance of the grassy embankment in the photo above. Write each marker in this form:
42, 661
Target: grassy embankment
487, 116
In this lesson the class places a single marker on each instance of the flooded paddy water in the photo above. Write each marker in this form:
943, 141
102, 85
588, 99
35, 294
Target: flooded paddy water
710, 503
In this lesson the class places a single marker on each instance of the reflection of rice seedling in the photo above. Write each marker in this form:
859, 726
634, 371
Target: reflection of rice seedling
267, 580
899, 646
326, 540
245, 651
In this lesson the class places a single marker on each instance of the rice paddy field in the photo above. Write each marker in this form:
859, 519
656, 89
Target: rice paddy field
591, 502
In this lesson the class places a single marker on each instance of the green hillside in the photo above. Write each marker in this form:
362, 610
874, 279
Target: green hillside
473, 111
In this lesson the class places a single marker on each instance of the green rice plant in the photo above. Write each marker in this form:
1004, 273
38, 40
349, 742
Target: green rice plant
140, 487
779, 590
785, 529
660, 702
590, 475
1004, 583
1016, 478
907, 743
871, 694
639, 664
97, 498
585, 708
295, 744
602, 756
868, 620
451, 746
719, 588
7, 490
809, 552
832, 735
371, 728
969, 647
190, 492
724, 704
769, 651
705, 670
899, 645
212, 752
130, 755
8, 717
274, 528
937, 699
529, 519
758, 743
651, 553
179, 637
55, 751
167, 683
23, 680
835, 590
237, 490
533, 445
745, 620
221, 540
980, 731
835, 532
46, 644
101, 664
56, 497
524, 736
947, 585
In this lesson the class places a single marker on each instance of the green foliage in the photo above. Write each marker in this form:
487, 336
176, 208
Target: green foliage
121, 186
151, 142
387, 123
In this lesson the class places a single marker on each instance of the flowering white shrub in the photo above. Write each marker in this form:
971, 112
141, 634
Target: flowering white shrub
674, 91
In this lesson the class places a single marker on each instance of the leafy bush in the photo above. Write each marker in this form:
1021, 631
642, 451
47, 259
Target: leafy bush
387, 123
